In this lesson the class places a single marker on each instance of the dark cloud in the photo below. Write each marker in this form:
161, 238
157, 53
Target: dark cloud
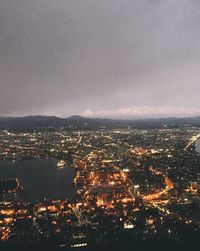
67, 57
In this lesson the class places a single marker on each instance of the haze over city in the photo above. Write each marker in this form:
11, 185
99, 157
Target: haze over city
108, 58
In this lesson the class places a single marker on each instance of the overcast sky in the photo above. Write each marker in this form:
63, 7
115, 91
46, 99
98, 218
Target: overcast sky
103, 58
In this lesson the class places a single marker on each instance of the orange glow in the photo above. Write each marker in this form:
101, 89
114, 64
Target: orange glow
7, 211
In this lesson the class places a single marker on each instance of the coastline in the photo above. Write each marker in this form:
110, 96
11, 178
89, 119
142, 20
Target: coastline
197, 145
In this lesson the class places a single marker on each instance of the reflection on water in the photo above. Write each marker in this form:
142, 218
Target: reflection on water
40, 178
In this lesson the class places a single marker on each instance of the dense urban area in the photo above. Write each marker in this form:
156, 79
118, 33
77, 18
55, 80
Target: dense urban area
131, 186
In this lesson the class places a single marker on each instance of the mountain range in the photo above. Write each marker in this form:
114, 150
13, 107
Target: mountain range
30, 123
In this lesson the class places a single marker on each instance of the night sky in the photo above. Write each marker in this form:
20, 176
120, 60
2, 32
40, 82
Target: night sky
100, 58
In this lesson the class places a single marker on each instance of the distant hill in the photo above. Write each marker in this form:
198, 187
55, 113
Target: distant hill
30, 123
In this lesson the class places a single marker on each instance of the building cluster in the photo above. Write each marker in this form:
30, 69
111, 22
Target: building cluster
130, 184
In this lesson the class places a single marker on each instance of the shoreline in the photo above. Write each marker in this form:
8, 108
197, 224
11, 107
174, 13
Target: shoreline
197, 146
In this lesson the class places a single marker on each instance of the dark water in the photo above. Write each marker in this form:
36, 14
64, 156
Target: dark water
40, 178
198, 146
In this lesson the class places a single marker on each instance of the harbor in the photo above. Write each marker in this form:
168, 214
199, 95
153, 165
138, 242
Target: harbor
39, 178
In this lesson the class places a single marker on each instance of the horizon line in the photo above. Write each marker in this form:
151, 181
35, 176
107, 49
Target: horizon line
106, 117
